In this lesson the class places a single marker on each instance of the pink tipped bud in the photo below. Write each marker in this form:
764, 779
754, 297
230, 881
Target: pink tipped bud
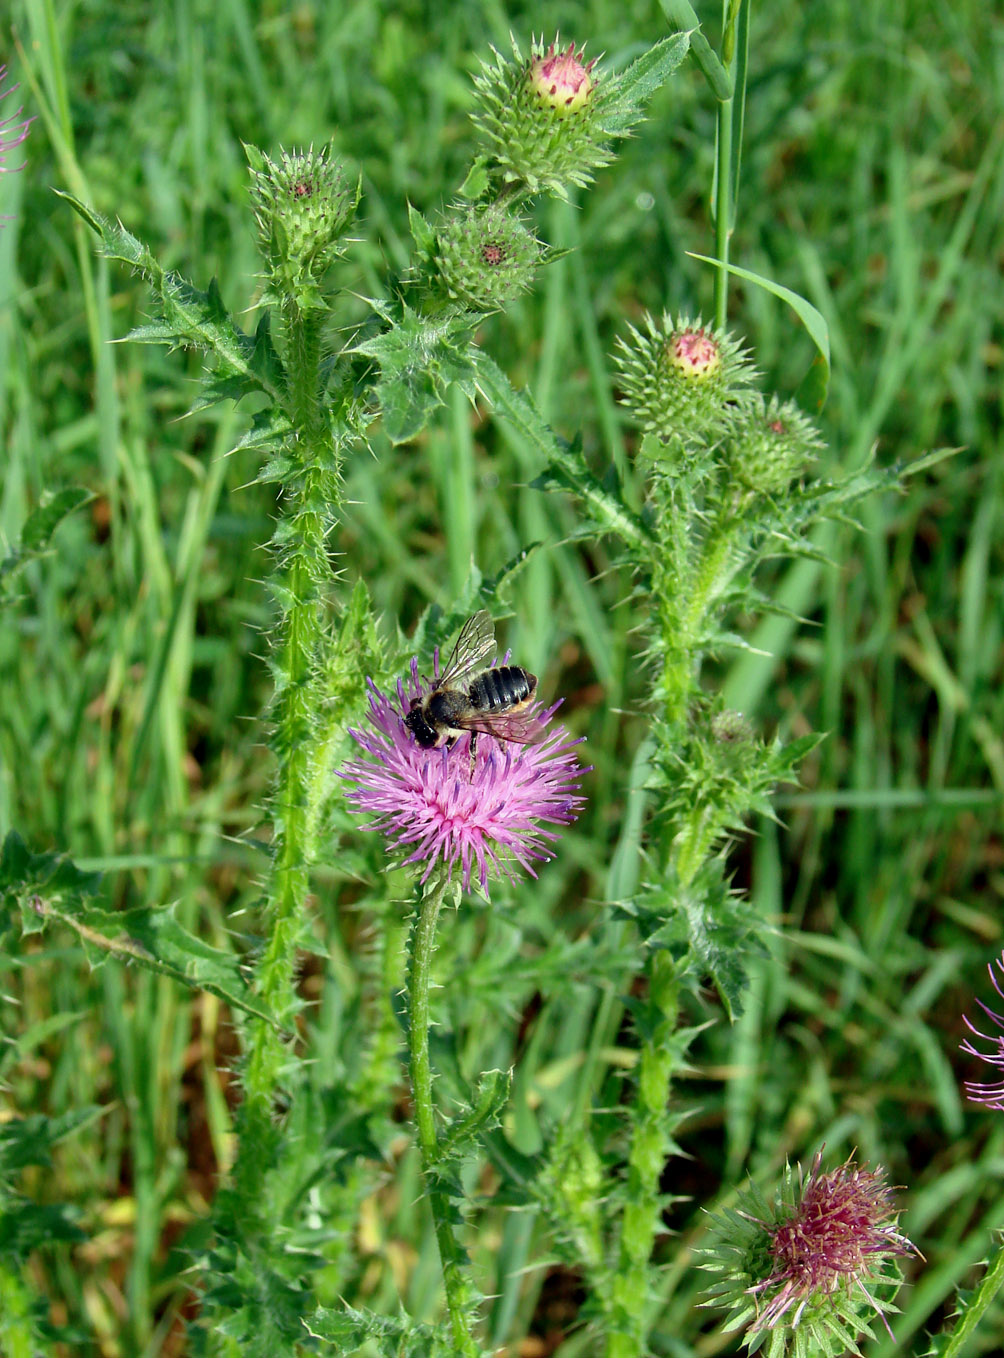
560, 81
693, 353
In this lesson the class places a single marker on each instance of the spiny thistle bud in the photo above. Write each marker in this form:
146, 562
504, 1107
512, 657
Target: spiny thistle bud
682, 378
560, 81
303, 205
770, 444
543, 118
805, 1272
486, 257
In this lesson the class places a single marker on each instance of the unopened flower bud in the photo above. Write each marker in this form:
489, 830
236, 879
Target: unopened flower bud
486, 257
303, 204
681, 378
771, 444
560, 81
543, 118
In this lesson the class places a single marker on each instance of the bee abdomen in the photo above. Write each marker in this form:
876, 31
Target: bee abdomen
503, 688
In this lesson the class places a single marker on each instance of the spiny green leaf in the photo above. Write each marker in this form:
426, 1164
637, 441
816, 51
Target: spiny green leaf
40, 525
190, 317
29, 1141
395, 1337
632, 89
49, 886
419, 357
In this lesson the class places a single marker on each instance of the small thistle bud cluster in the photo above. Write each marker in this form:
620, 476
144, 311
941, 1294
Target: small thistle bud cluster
303, 205
486, 257
680, 378
807, 1269
770, 444
543, 118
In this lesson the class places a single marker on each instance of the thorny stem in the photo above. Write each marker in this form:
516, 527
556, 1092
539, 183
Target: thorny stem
628, 1304
310, 501
459, 1293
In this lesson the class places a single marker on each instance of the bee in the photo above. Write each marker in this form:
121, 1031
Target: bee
471, 696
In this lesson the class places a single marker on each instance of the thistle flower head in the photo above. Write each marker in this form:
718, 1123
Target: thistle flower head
543, 118
770, 444
432, 810
559, 79
808, 1268
681, 378
303, 204
12, 132
486, 257
990, 1095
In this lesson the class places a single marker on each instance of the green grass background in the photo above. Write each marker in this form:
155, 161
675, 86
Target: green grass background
131, 670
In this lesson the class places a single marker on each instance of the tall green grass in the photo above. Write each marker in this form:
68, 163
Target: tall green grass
873, 183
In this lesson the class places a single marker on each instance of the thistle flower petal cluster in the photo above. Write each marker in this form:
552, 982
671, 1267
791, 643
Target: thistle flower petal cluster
770, 444
806, 1271
432, 810
542, 118
681, 378
12, 132
990, 1095
303, 204
486, 257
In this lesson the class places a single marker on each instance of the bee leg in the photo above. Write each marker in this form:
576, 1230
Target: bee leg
474, 752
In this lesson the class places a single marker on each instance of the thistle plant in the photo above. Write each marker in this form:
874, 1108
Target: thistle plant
345, 1103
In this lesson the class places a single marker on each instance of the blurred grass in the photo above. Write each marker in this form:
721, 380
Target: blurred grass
130, 674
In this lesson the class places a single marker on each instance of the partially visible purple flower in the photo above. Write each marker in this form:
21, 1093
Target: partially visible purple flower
11, 136
432, 811
992, 1095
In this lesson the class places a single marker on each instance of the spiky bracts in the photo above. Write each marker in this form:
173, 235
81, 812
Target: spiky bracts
806, 1274
543, 118
485, 257
770, 444
303, 204
681, 378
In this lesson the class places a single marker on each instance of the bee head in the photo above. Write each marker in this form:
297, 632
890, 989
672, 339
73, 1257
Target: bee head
420, 727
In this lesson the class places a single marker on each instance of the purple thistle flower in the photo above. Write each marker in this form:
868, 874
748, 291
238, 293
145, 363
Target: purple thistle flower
992, 1095
432, 810
841, 1231
10, 137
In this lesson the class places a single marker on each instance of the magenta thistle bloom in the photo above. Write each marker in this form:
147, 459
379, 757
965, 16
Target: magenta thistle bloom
811, 1263
992, 1095
841, 1229
11, 136
432, 811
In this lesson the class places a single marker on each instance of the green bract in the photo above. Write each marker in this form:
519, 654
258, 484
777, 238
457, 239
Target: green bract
303, 204
681, 377
543, 118
486, 257
771, 443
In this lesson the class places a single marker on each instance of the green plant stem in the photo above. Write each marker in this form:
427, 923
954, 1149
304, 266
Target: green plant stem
310, 503
723, 178
651, 1141
460, 1296
681, 628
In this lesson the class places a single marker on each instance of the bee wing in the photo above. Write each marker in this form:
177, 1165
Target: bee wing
475, 644
523, 728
